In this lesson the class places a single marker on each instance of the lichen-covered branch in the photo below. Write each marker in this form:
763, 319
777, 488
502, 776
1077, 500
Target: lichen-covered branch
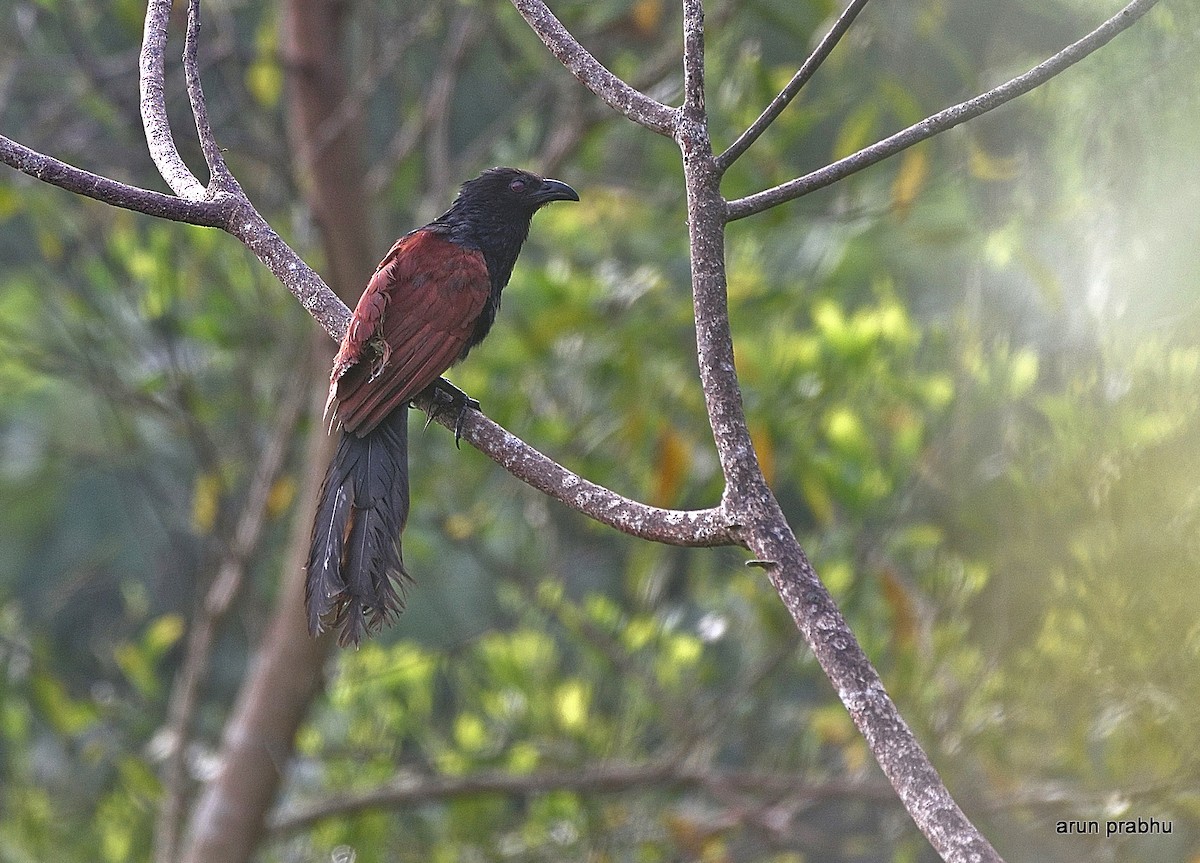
750, 503
152, 65
219, 177
699, 528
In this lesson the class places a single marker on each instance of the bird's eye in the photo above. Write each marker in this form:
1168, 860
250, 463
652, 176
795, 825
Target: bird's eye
517, 186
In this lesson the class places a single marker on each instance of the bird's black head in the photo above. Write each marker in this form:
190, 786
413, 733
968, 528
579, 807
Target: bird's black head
492, 213
512, 192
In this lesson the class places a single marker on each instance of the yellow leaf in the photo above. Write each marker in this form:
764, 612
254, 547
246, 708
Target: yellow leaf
163, 633
647, 15
65, 714
137, 668
571, 705
910, 180
845, 431
838, 576
856, 131
264, 80
470, 732
281, 495
985, 166
523, 757
1023, 373
684, 649
205, 500
764, 446
639, 632
671, 466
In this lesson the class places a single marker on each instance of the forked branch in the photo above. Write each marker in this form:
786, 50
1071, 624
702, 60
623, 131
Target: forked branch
749, 514
748, 500
223, 204
942, 120
209, 214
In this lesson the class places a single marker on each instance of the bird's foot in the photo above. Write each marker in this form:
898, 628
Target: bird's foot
447, 399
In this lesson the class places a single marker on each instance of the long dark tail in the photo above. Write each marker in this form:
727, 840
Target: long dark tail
355, 572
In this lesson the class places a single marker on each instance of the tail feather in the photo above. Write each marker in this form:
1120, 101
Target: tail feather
356, 574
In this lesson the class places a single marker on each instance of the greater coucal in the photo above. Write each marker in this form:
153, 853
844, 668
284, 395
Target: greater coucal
432, 299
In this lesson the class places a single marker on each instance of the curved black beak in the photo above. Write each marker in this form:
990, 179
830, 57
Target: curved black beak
555, 190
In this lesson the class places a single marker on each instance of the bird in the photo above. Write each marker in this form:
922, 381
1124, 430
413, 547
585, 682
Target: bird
432, 299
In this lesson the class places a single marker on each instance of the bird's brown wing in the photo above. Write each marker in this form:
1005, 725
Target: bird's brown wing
409, 326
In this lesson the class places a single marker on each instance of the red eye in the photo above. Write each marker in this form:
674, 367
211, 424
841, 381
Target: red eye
517, 186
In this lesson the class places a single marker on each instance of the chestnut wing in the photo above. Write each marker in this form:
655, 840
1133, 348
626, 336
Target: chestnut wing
410, 325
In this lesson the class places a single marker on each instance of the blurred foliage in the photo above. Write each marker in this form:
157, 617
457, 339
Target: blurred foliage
971, 374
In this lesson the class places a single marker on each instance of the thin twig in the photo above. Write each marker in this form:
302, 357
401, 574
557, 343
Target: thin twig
219, 177
407, 790
807, 69
660, 72
948, 118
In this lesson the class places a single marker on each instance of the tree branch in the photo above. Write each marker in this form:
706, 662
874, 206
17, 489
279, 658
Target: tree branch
220, 178
212, 214
610, 89
154, 106
807, 69
706, 236
697, 528
231, 210
235, 214
948, 118
600, 779
749, 513
749, 502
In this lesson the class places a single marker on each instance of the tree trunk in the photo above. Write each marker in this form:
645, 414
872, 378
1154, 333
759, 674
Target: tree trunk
286, 675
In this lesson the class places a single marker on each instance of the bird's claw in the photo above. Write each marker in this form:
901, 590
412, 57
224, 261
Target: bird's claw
446, 398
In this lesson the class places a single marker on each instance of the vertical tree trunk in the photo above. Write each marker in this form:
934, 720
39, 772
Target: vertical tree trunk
285, 676
325, 141
278, 689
